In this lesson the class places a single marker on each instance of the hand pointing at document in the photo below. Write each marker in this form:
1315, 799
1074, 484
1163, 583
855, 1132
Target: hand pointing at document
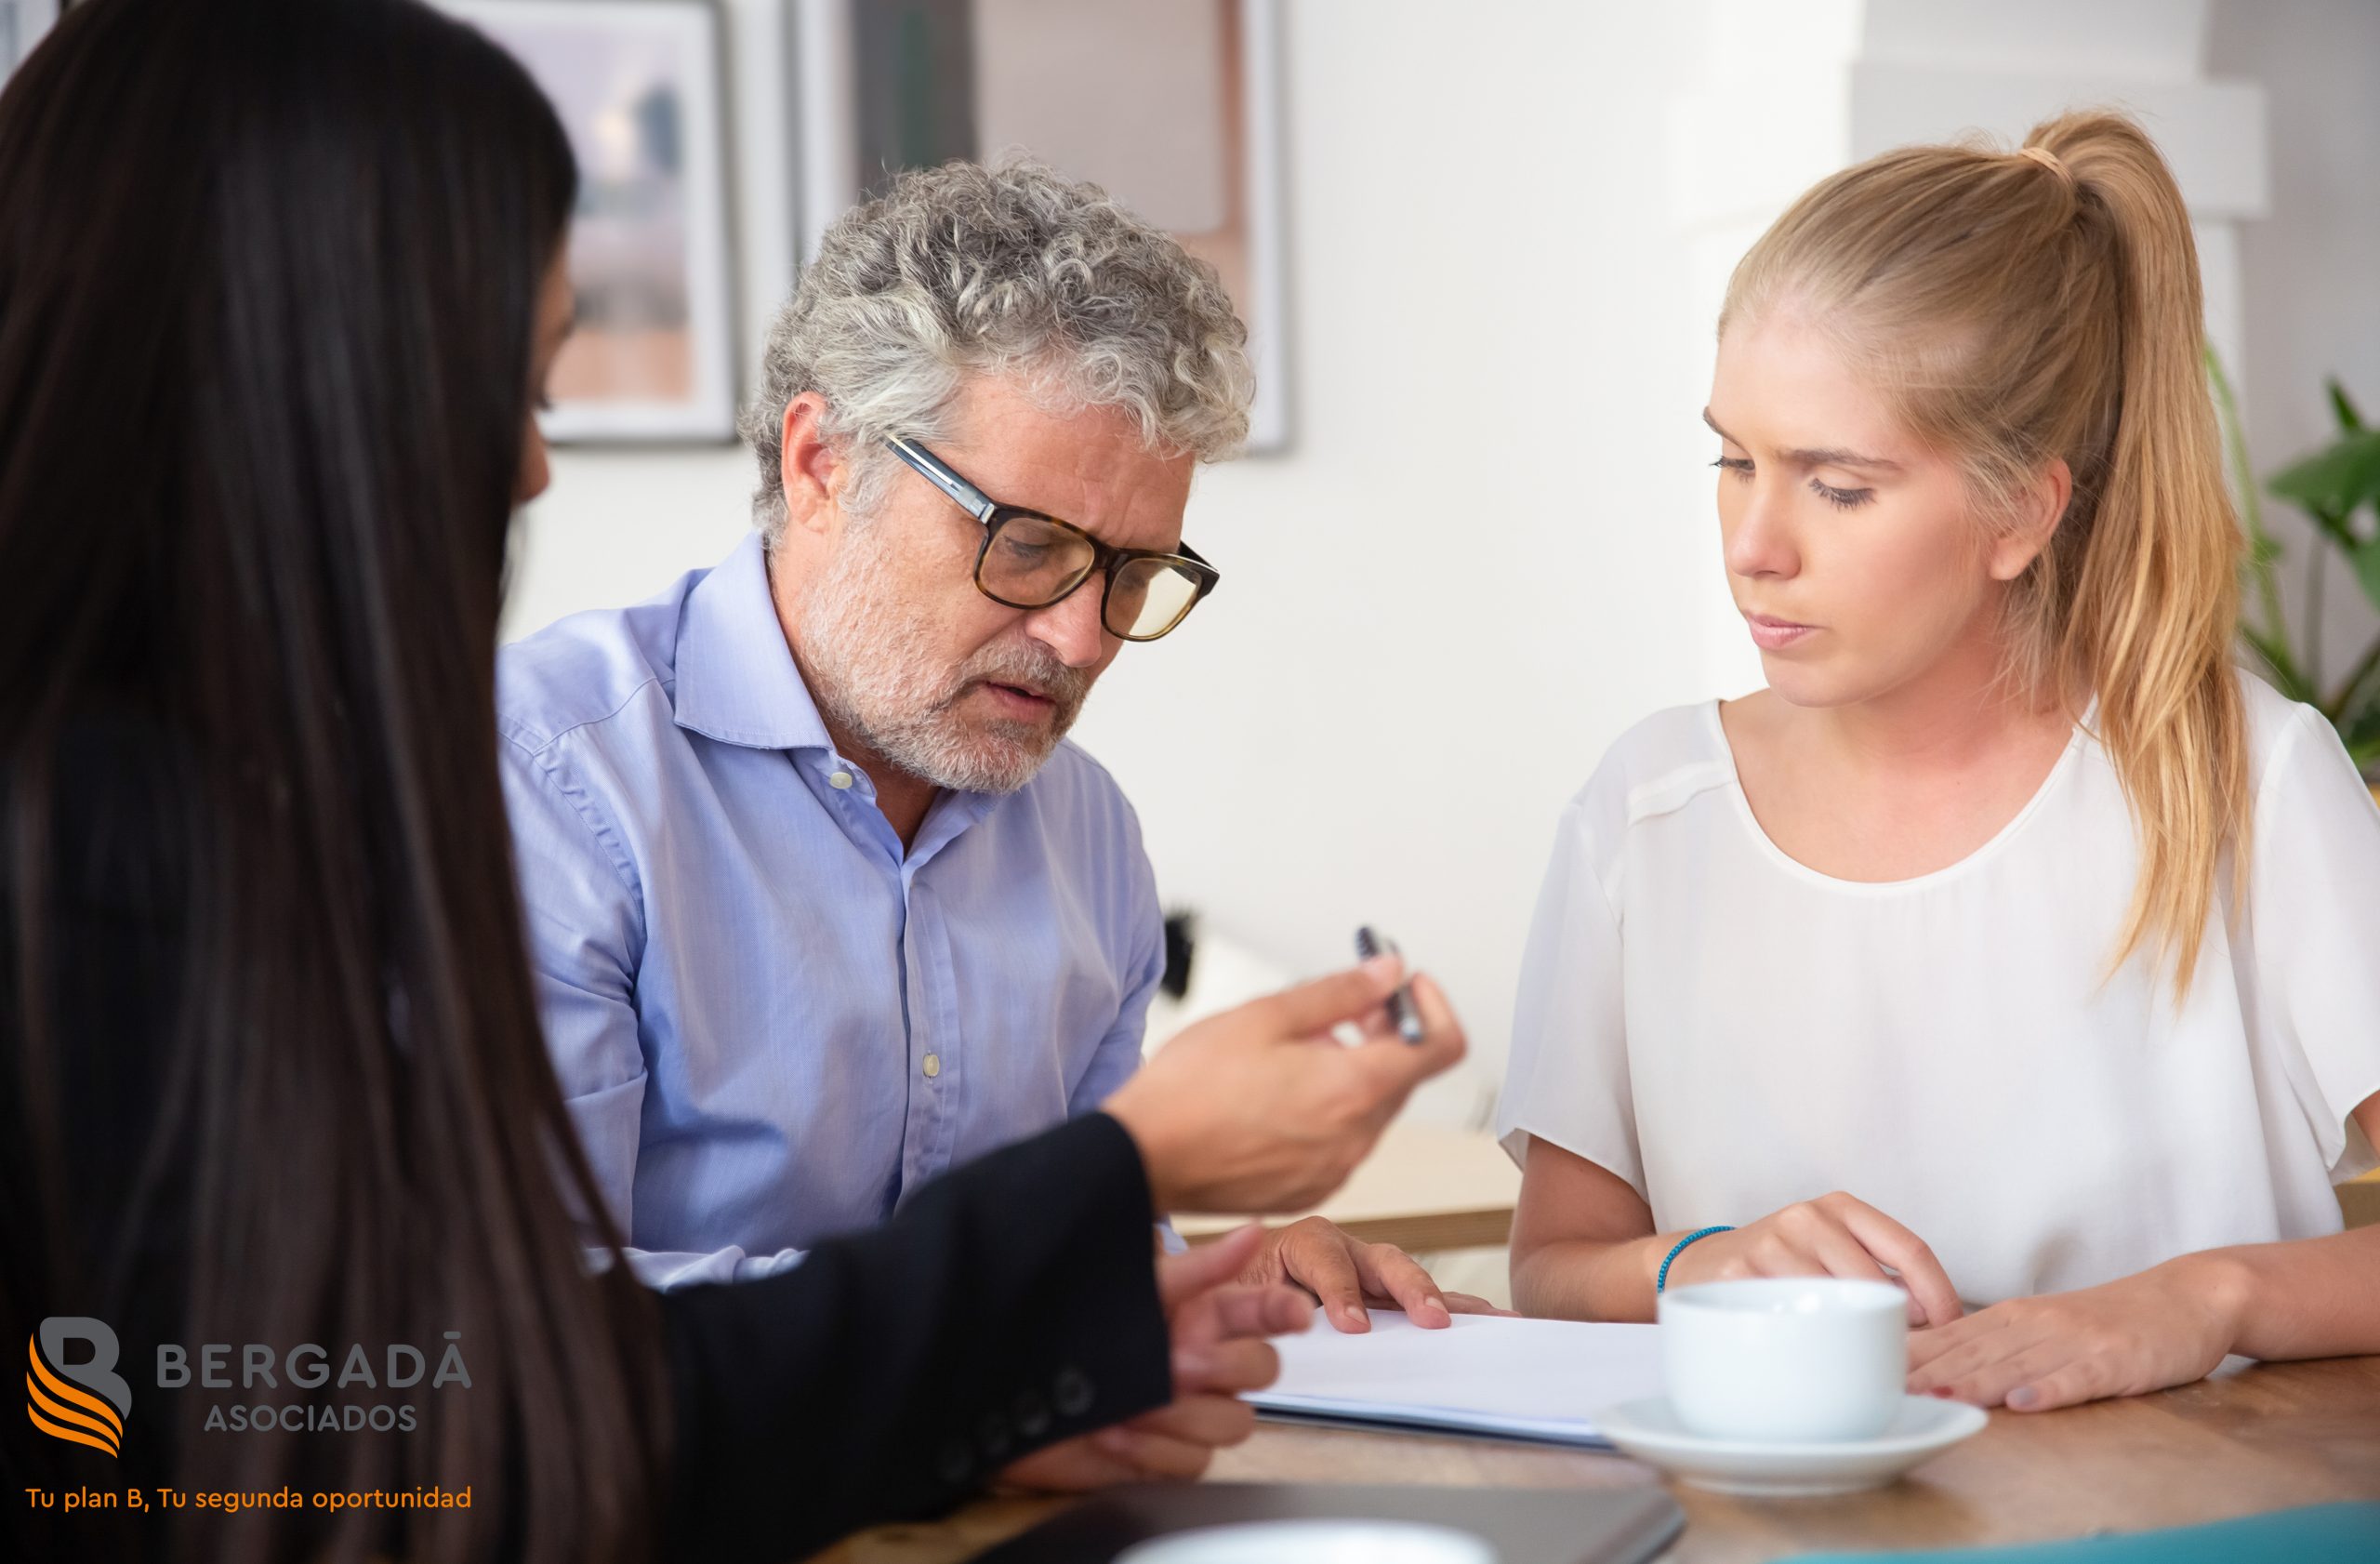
1261, 1108
1350, 1278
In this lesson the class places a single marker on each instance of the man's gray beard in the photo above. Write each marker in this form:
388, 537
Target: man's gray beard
869, 663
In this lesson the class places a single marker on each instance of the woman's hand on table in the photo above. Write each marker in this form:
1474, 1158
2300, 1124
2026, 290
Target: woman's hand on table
1217, 1325
1349, 1278
2169, 1325
1832, 1236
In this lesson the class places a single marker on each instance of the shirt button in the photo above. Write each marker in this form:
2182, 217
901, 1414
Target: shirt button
1071, 1393
934, 1065
838, 780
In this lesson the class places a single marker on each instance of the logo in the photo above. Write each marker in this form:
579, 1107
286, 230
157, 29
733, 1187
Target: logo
91, 1415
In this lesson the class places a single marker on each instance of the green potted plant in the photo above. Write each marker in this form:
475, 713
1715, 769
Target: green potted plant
2338, 487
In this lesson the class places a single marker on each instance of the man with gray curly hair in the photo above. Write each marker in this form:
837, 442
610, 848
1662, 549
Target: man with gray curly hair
1091, 359
820, 900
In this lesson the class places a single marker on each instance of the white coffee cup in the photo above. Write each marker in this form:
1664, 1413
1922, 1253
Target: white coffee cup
1789, 1359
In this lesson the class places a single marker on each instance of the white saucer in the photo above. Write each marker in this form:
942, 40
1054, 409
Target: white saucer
1924, 1426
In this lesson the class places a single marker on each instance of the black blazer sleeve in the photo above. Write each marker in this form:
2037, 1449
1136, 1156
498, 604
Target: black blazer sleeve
1011, 1303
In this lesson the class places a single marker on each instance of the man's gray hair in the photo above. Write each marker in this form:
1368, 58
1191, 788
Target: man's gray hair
964, 270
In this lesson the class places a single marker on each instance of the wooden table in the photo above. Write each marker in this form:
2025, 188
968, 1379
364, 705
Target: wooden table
1422, 1188
2273, 1436
2360, 1198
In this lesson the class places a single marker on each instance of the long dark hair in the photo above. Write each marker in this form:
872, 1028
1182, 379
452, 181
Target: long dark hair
269, 272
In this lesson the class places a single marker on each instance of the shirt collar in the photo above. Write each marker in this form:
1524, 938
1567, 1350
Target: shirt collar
737, 682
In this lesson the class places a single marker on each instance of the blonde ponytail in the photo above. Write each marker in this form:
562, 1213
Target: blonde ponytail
2021, 309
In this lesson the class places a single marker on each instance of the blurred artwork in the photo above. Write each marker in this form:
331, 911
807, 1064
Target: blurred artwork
637, 84
1169, 105
21, 24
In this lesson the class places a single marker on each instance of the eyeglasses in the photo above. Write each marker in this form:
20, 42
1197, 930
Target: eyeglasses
1032, 560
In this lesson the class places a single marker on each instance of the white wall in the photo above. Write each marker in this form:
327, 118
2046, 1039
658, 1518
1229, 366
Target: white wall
2313, 266
1465, 578
1489, 547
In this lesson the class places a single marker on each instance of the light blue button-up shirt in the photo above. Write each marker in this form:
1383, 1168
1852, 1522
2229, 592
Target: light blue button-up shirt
770, 1022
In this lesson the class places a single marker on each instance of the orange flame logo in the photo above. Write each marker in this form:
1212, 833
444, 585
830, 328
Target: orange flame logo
66, 1411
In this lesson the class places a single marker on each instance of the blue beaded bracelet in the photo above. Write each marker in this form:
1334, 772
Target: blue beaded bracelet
1662, 1281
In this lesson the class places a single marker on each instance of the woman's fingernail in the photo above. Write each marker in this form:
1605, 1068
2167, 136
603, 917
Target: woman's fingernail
1115, 1441
1381, 968
2023, 1396
1943, 1391
1190, 1362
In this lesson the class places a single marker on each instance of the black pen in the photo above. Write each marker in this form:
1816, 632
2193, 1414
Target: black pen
1400, 1003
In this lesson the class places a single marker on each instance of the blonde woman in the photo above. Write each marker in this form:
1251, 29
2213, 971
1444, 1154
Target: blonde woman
2011, 942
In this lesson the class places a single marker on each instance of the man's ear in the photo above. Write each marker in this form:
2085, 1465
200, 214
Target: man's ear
809, 467
2039, 510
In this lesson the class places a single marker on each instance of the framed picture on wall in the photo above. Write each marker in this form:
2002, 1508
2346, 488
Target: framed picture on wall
1173, 106
21, 24
640, 85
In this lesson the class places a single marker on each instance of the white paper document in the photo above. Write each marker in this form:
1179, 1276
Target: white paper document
1529, 1379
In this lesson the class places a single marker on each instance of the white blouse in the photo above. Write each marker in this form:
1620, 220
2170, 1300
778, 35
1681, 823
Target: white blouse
1731, 1031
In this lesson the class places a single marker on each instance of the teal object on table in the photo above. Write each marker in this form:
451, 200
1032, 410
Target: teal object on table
2321, 1534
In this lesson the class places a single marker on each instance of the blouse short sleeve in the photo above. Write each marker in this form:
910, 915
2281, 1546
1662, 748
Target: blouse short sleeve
1567, 1079
2314, 909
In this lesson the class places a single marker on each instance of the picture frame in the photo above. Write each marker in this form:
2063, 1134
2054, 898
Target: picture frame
1173, 106
641, 89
